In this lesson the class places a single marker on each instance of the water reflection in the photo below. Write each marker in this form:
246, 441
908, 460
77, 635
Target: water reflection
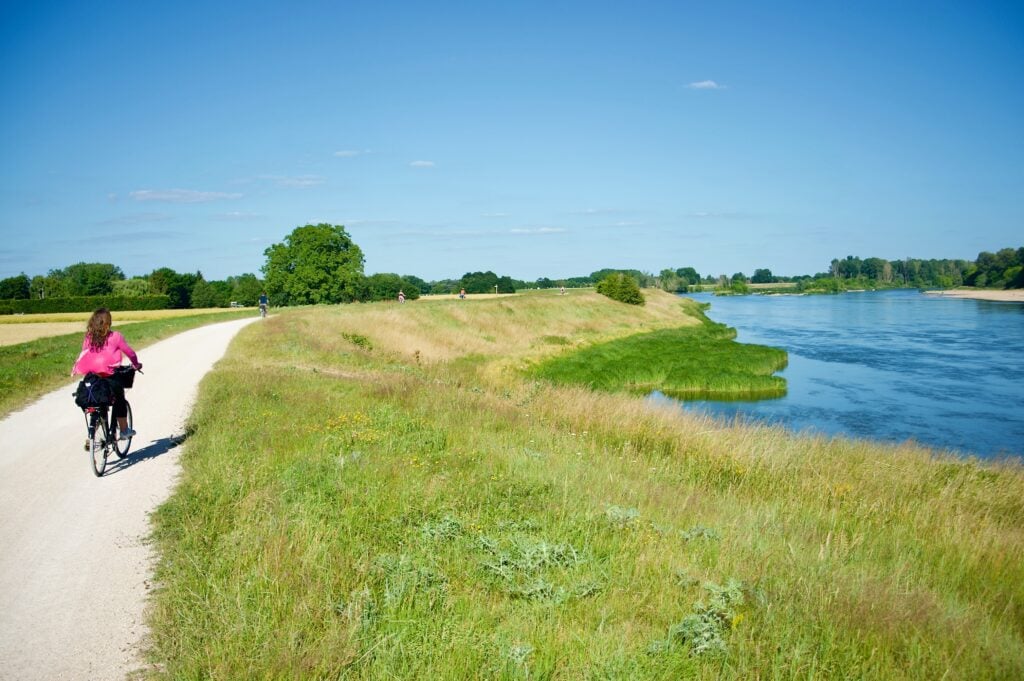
891, 365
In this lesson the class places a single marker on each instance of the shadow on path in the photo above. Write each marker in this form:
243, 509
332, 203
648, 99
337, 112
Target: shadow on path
137, 456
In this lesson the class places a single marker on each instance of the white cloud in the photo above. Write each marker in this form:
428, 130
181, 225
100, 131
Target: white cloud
148, 235
706, 85
444, 233
135, 218
296, 181
181, 195
598, 211
538, 230
422, 164
349, 153
718, 214
237, 215
368, 223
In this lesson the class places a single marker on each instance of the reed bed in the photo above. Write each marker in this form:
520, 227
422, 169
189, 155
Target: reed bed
694, 362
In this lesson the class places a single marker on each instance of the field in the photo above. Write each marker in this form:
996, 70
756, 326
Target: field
383, 491
22, 328
32, 367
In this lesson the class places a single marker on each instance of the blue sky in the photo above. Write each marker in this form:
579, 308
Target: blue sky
532, 139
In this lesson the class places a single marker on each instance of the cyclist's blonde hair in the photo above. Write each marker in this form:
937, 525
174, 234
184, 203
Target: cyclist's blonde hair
98, 328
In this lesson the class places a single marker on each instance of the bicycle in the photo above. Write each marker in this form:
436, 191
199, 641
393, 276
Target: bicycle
263, 311
102, 431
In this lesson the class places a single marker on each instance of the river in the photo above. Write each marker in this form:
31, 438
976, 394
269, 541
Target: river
889, 366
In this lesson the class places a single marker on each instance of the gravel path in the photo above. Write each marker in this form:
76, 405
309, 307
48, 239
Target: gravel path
74, 565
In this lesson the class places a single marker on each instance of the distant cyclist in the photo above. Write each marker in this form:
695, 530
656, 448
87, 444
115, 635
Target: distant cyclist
263, 304
102, 350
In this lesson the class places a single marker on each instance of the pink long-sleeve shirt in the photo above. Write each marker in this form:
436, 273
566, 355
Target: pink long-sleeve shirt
104, 360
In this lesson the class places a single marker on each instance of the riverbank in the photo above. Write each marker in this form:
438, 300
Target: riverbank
378, 491
1005, 296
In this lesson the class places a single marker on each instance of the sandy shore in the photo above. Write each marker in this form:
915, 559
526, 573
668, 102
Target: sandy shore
1008, 296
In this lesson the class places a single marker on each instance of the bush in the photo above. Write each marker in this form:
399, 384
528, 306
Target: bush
84, 304
622, 288
1015, 277
385, 286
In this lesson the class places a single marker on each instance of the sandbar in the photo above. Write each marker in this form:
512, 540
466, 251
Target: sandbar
1014, 295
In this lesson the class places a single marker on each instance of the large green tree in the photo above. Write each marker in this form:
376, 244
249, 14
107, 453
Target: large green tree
689, 274
671, 282
486, 282
245, 288
87, 278
386, 285
207, 294
315, 264
15, 287
132, 288
178, 287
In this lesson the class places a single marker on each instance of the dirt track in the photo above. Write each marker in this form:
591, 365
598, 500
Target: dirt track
74, 565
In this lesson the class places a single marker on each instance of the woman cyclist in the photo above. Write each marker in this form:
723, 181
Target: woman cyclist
101, 353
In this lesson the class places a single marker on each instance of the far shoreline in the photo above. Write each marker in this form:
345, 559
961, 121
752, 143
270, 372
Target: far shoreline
1015, 295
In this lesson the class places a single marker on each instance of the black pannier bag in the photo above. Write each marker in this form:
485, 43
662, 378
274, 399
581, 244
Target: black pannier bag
94, 391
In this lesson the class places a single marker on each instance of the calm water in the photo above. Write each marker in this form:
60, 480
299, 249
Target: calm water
891, 365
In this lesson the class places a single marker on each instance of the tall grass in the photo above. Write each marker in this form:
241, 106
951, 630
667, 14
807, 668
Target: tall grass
27, 370
365, 497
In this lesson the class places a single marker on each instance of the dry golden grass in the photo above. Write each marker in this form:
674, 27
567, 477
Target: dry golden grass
12, 334
120, 317
16, 329
443, 328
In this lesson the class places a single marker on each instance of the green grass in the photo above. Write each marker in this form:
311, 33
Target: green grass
28, 370
693, 362
358, 502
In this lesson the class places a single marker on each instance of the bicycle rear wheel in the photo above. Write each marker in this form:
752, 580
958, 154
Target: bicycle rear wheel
98, 443
121, 447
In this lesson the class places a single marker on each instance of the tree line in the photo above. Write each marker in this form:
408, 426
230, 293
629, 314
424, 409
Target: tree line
88, 280
322, 264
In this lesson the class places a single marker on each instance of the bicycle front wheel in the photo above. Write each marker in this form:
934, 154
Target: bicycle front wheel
121, 447
98, 444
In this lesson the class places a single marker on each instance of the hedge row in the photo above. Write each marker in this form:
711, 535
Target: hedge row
83, 304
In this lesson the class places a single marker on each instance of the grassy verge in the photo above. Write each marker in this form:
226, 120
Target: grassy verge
694, 362
375, 492
28, 370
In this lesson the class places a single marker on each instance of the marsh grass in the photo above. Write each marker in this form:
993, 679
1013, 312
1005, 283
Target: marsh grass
27, 370
352, 509
693, 362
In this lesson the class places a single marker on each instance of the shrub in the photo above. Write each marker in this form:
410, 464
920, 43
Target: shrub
622, 288
84, 304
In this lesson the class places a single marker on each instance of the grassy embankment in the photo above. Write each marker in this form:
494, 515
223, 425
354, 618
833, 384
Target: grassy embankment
28, 370
377, 491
